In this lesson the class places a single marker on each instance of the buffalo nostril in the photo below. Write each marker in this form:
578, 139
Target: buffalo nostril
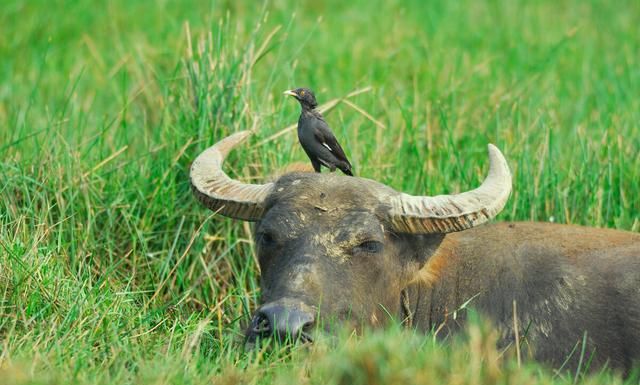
283, 322
260, 325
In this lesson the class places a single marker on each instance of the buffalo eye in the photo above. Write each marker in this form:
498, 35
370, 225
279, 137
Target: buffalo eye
266, 239
369, 247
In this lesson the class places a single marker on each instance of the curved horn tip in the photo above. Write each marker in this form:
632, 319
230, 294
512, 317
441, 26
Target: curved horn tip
494, 150
497, 161
227, 144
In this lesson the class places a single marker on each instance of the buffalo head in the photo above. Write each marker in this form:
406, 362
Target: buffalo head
338, 247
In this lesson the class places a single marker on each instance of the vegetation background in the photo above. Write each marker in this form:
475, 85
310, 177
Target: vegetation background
110, 272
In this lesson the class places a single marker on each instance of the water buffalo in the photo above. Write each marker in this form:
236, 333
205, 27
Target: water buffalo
353, 249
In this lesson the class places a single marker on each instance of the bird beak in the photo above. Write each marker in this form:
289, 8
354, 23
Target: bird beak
291, 93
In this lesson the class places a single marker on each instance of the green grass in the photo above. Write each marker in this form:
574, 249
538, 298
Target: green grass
110, 272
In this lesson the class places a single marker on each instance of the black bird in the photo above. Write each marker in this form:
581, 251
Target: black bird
316, 137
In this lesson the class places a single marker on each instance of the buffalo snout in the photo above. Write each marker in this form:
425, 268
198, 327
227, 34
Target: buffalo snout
283, 321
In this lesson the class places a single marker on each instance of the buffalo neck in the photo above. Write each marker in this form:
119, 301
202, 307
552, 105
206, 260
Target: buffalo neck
451, 282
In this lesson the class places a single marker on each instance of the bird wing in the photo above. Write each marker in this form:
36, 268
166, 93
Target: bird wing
324, 135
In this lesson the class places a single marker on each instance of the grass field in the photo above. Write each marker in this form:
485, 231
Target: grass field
110, 272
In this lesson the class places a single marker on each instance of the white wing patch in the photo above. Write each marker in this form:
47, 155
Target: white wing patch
326, 164
327, 146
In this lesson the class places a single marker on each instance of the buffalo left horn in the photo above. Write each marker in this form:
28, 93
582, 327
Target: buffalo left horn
214, 189
449, 213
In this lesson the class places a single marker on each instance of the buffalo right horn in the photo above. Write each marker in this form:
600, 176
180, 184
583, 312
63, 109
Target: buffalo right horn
218, 192
449, 213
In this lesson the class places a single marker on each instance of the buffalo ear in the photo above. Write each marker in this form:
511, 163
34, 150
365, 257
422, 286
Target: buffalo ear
416, 250
421, 258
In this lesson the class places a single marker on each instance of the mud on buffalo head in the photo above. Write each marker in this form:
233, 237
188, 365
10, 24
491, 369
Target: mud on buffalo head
335, 247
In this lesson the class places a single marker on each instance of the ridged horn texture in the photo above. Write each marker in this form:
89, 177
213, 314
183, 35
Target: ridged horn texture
214, 189
449, 213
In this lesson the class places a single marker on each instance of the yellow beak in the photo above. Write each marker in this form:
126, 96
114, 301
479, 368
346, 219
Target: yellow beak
290, 93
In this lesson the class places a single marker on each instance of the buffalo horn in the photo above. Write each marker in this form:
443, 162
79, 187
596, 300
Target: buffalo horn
226, 196
449, 213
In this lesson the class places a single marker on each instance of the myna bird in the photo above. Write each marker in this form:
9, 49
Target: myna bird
316, 137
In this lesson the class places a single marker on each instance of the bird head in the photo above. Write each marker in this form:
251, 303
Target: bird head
305, 96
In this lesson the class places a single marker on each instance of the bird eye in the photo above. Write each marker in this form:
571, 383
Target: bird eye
370, 247
301, 92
